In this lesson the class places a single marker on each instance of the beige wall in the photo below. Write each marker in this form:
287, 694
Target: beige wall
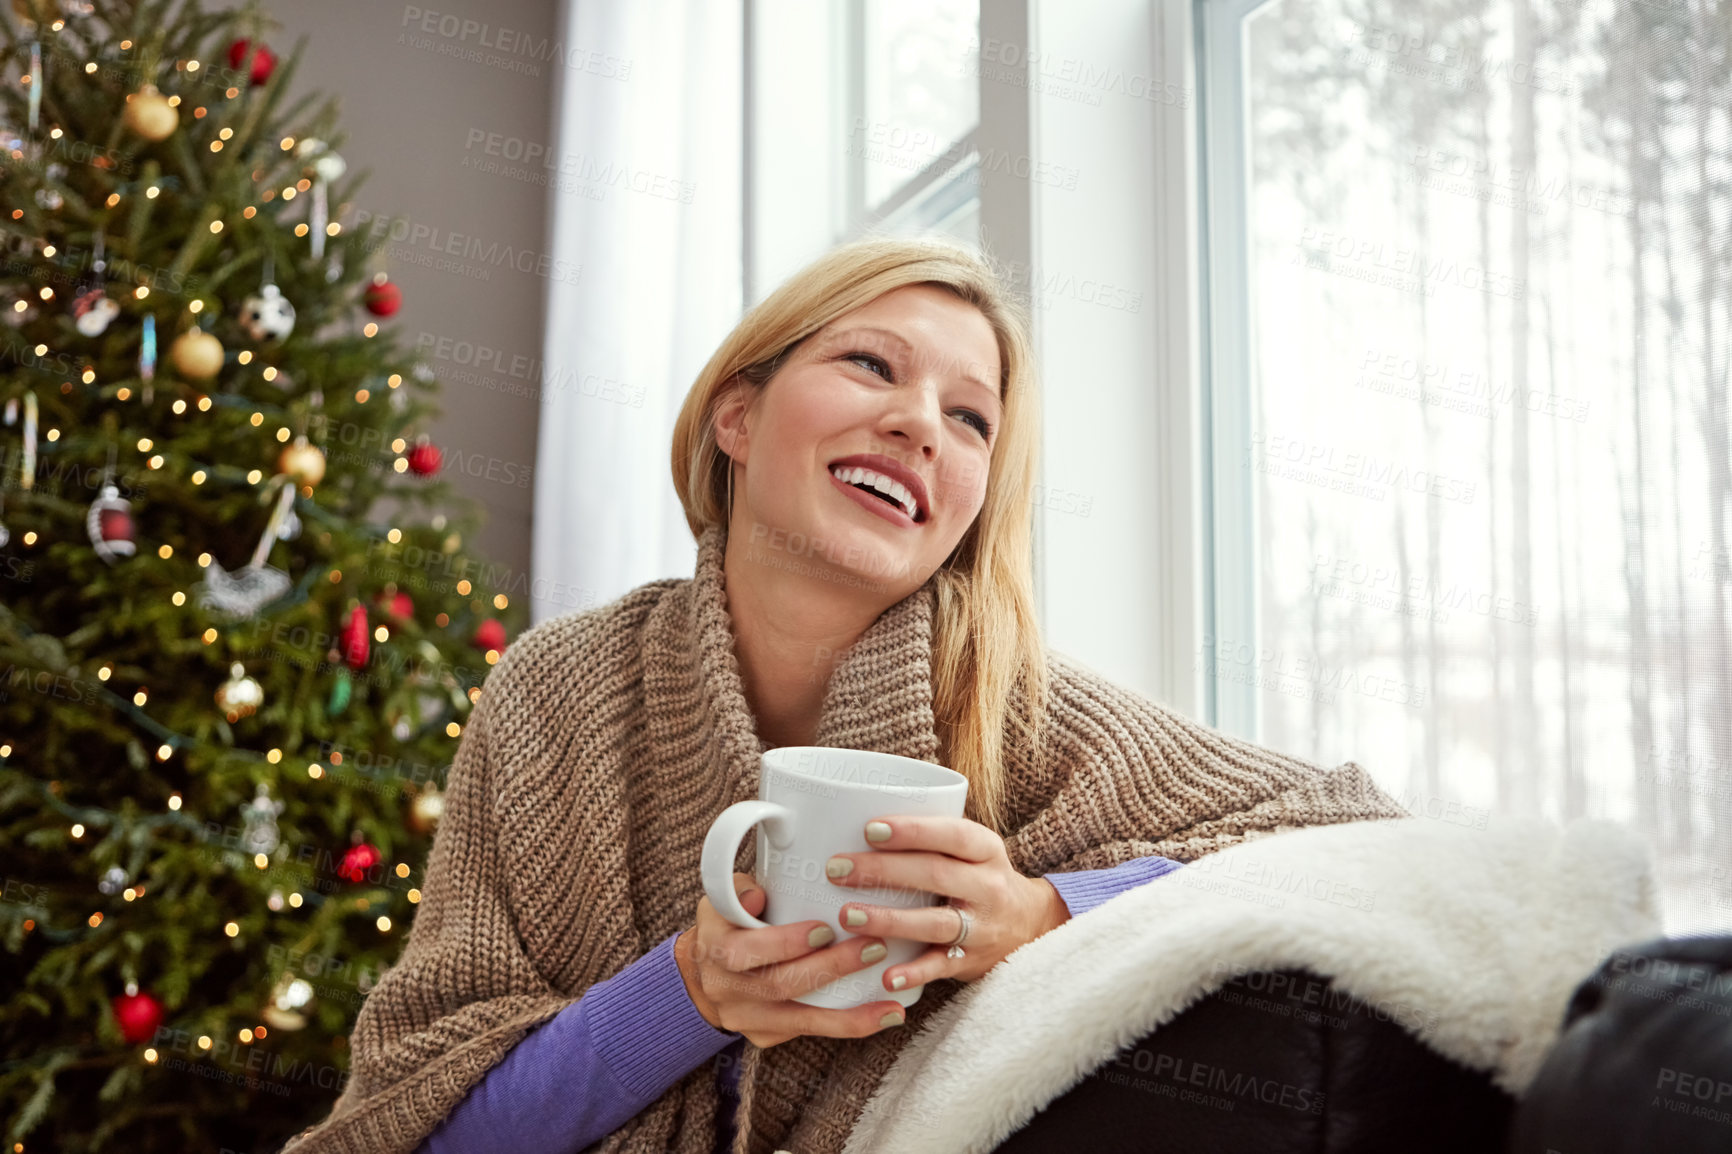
416, 106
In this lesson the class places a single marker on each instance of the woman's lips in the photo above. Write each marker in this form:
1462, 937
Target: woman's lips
891, 513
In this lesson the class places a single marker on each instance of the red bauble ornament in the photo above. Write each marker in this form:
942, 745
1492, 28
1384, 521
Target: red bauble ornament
490, 634
354, 641
425, 459
139, 1015
264, 60
116, 525
396, 607
382, 298
358, 861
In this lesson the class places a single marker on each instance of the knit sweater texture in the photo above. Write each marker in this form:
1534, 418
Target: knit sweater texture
604, 744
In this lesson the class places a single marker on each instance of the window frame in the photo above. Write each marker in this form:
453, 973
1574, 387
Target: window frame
1231, 553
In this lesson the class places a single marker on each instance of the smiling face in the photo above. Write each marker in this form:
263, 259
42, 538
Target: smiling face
867, 452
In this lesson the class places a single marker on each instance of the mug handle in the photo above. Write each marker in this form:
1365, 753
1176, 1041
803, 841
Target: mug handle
722, 844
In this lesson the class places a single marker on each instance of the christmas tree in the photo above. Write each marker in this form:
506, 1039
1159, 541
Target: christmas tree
239, 635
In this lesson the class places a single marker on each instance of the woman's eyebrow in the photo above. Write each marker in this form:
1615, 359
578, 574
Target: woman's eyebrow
907, 349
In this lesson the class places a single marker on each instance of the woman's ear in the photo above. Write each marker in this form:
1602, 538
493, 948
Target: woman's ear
730, 421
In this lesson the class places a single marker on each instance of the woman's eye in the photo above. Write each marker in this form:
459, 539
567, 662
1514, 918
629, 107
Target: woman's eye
878, 364
980, 423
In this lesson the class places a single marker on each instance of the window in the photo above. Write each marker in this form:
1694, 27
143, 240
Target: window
891, 90
1468, 357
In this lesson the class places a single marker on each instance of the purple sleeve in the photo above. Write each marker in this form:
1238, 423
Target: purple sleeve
590, 1069
1083, 890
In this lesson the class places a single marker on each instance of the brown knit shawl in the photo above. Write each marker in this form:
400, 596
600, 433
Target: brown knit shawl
601, 749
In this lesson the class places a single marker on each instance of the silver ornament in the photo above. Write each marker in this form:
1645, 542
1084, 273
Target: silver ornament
113, 881
267, 315
260, 835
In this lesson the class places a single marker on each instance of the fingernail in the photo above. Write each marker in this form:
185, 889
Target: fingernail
877, 831
822, 936
898, 982
839, 867
874, 953
893, 1018
853, 918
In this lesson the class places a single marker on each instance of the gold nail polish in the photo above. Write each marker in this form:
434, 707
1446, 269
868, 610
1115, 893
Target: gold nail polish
898, 982
839, 867
877, 831
822, 936
854, 918
874, 953
891, 1019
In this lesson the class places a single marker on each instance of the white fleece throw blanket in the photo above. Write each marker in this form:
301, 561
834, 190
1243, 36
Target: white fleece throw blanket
1471, 939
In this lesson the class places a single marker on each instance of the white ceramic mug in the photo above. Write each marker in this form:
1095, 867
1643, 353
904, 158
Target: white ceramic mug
814, 802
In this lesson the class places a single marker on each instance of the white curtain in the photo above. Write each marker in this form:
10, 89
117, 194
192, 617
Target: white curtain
644, 190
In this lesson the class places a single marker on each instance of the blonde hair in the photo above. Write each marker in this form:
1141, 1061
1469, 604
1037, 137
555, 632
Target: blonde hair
986, 636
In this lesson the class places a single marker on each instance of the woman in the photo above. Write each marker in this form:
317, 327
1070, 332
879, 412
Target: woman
856, 461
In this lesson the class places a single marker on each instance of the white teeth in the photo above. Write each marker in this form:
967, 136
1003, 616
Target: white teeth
886, 485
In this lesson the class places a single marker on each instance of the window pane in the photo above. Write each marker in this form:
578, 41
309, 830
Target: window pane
922, 93
1489, 291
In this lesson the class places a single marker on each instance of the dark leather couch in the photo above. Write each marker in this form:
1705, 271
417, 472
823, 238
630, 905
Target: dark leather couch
1644, 1063
1275, 1063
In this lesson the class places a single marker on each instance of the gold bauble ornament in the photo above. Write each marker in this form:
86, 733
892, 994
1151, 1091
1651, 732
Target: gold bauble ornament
289, 999
150, 115
240, 695
304, 463
196, 355
426, 808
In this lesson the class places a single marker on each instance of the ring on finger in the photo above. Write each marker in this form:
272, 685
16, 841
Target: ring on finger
965, 922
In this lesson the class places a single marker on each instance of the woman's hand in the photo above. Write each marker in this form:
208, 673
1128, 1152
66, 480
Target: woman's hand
744, 980
957, 859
